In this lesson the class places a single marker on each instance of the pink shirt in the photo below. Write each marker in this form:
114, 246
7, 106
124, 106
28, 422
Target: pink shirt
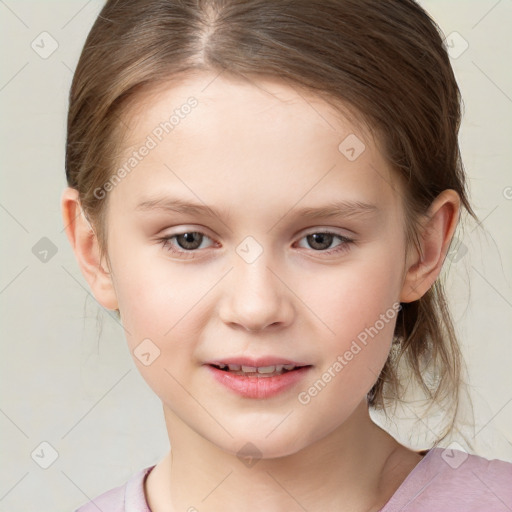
443, 481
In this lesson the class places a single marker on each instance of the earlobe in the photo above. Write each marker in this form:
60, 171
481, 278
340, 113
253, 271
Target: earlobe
85, 245
438, 227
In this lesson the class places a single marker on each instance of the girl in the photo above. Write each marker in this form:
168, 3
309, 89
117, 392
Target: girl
265, 192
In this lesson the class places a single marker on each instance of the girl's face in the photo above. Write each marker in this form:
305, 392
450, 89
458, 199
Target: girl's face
254, 283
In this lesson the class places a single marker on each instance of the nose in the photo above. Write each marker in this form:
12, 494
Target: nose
256, 297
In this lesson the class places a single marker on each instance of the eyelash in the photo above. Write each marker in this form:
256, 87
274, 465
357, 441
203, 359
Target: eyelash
342, 247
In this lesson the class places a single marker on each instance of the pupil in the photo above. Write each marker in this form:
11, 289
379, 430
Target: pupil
322, 239
187, 240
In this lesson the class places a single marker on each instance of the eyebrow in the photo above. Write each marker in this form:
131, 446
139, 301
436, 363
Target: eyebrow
340, 208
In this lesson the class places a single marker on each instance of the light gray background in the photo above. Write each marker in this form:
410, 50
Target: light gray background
67, 376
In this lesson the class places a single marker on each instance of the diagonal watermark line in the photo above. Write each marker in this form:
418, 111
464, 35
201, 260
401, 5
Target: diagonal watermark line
493, 287
118, 381
492, 81
261, 88
485, 15
13, 423
88, 498
314, 109
75, 15
14, 218
286, 491
93, 297
334, 334
78, 282
420, 491
217, 486
14, 76
206, 293
211, 81
301, 198
421, 420
279, 424
199, 403
480, 222
493, 416
14, 486
2, 1
390, 184
78, 214
198, 198
14, 278
68, 67
71, 221
491, 490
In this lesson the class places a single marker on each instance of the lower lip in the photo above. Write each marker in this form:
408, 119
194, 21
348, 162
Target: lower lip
258, 387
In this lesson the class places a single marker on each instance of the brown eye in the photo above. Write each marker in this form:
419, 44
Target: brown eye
184, 244
189, 241
319, 241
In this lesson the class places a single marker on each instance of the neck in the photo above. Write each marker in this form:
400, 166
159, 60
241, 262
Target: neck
355, 467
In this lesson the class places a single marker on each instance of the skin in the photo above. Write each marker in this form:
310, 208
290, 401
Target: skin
261, 150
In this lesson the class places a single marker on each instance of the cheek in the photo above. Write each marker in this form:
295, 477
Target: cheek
353, 355
161, 309
354, 296
155, 296
359, 306
159, 330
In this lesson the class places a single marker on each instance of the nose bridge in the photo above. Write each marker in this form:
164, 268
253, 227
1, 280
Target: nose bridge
252, 274
256, 296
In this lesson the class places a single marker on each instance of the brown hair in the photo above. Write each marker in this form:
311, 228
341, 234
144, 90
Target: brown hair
384, 60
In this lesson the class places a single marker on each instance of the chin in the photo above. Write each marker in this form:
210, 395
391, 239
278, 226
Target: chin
258, 443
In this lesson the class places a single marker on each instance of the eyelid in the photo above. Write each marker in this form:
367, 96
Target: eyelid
330, 230
190, 254
301, 234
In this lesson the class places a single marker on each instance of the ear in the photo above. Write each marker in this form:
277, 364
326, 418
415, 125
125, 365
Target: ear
437, 229
85, 245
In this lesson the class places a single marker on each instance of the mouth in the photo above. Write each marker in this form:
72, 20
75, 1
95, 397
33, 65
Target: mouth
258, 378
257, 371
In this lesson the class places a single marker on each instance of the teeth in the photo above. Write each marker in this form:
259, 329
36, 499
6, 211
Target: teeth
267, 369
261, 369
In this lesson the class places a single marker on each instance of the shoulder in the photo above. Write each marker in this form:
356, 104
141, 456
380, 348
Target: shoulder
129, 497
453, 480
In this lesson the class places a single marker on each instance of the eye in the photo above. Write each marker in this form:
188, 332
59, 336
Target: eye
188, 242
320, 240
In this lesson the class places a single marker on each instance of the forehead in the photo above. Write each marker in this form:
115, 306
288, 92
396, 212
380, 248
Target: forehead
226, 103
255, 92
235, 139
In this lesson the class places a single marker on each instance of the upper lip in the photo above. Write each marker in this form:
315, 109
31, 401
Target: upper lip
256, 362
